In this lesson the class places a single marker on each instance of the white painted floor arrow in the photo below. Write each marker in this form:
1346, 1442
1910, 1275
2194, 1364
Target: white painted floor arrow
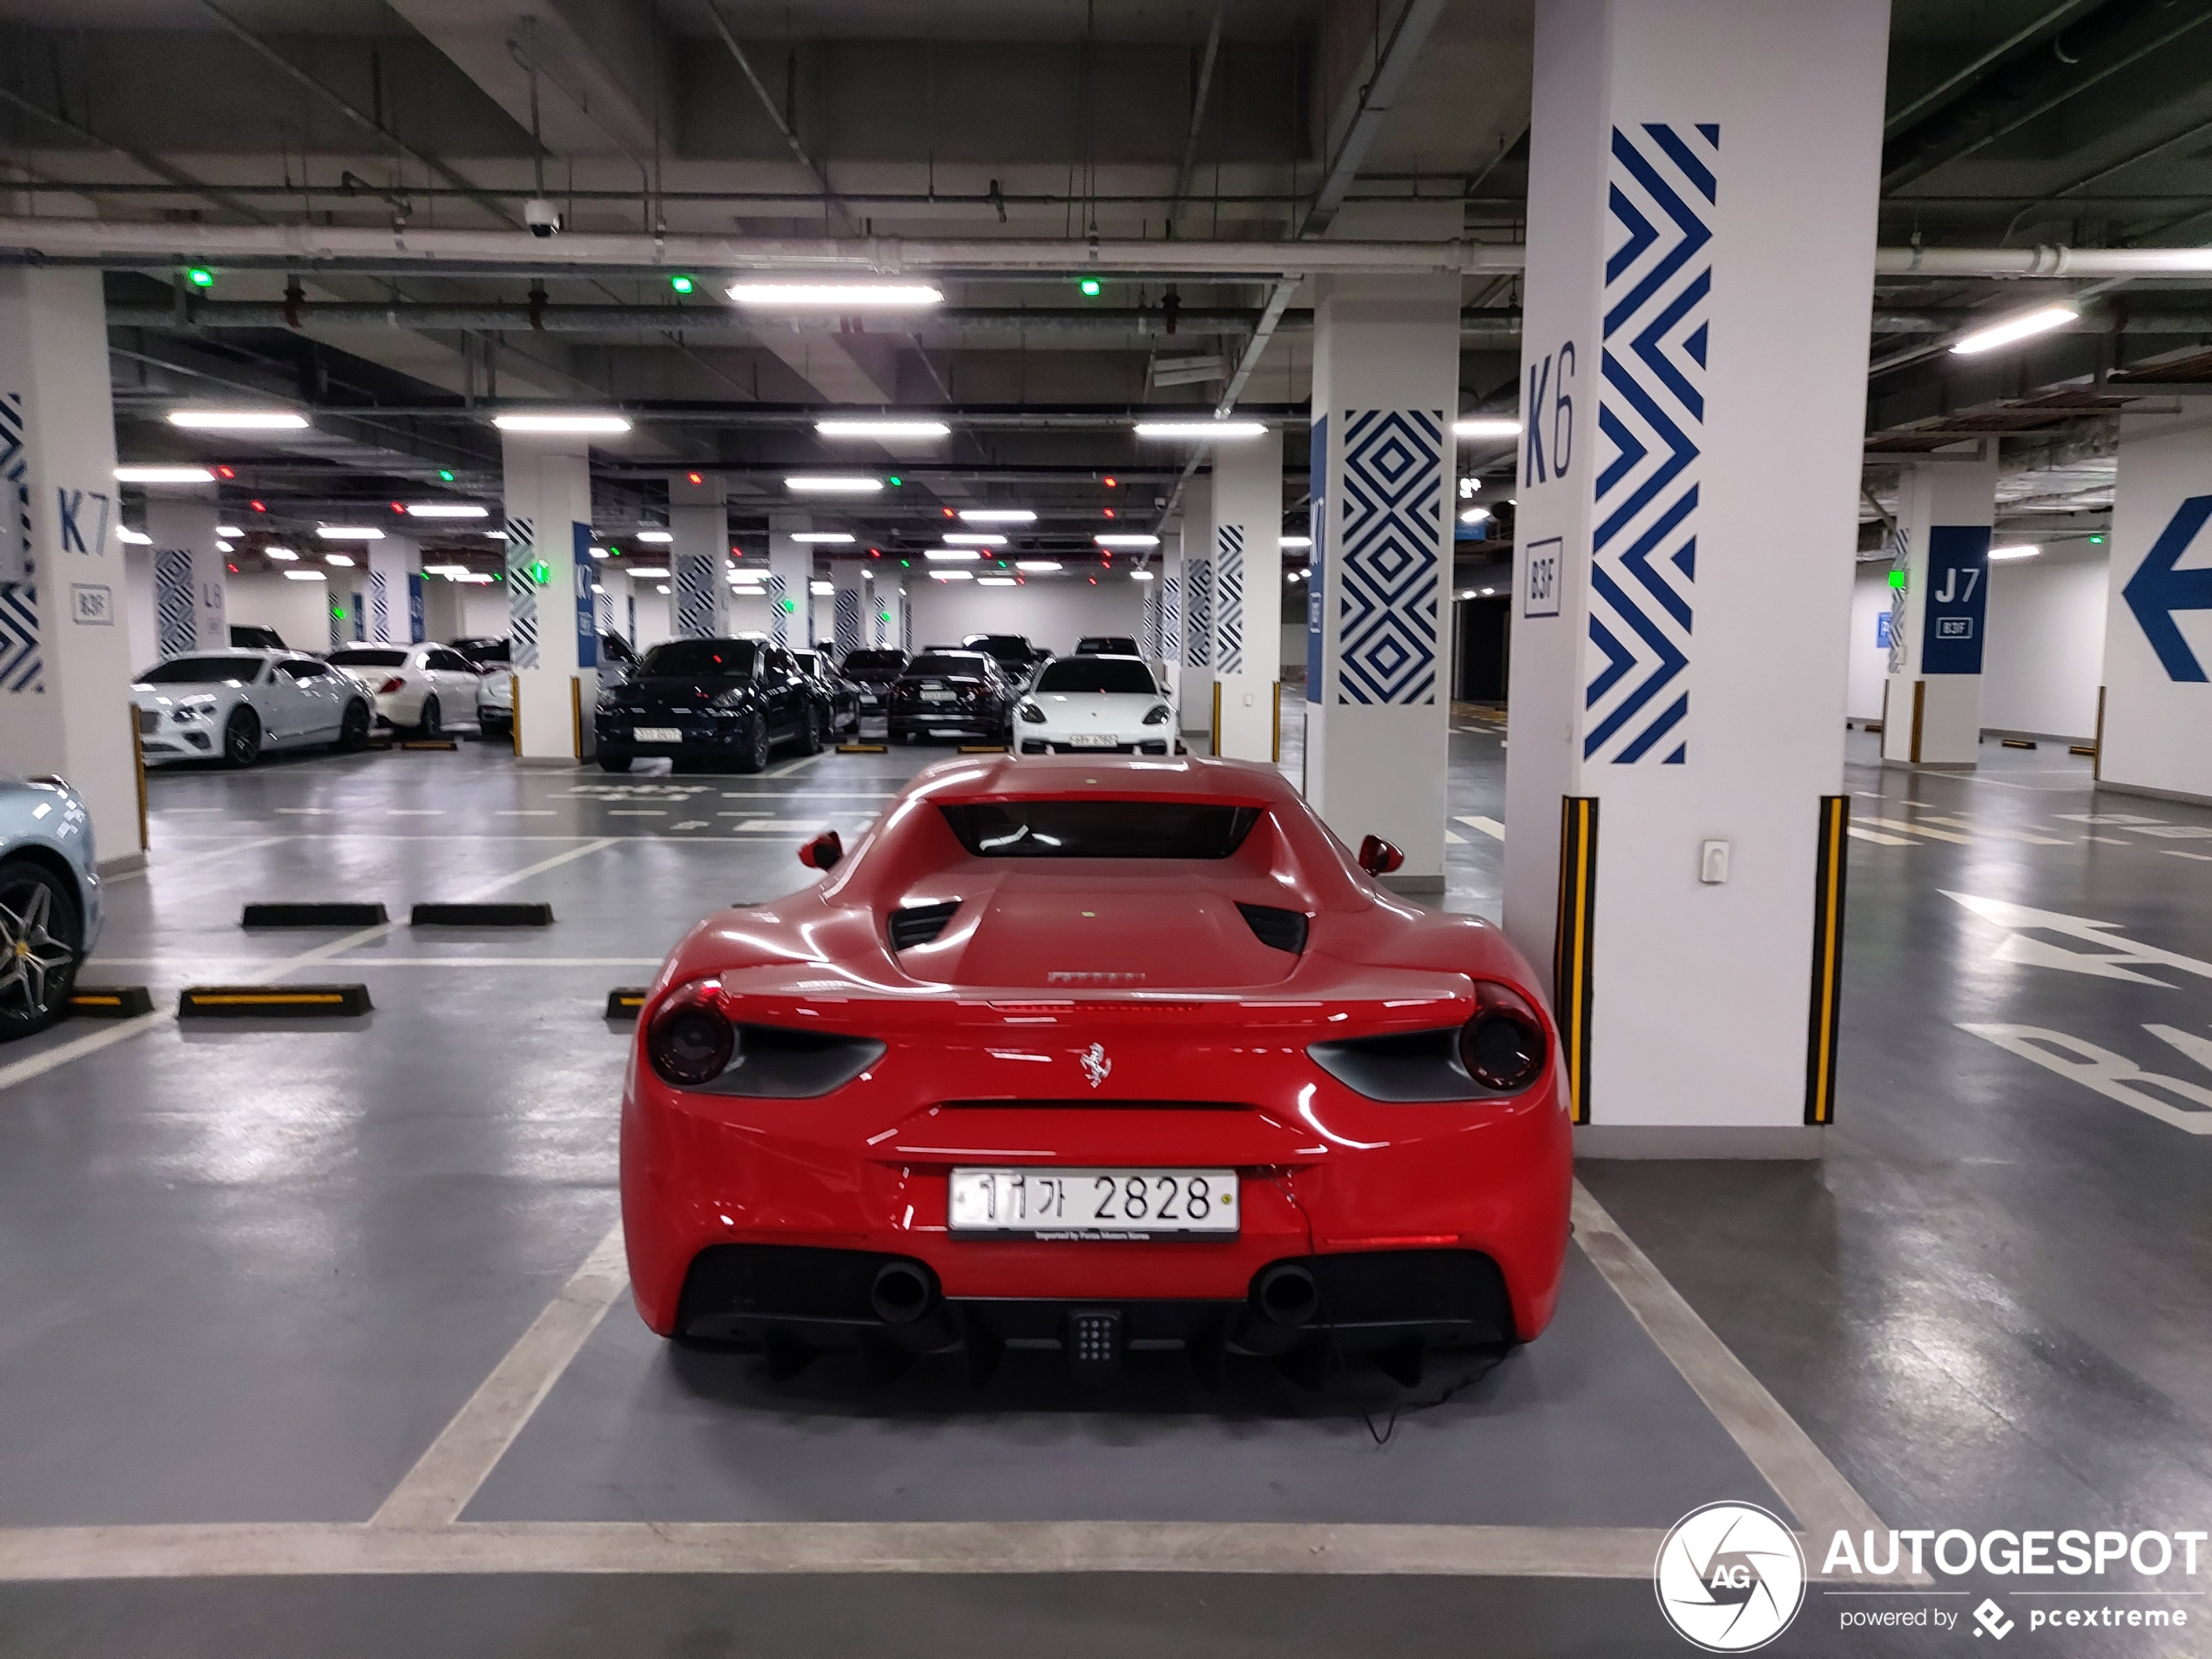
2118, 961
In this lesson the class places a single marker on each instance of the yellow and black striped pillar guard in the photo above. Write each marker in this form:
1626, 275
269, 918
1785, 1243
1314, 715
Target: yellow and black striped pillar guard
1827, 959
1573, 944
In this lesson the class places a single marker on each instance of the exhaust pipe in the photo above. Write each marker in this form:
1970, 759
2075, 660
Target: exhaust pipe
1288, 1294
902, 1292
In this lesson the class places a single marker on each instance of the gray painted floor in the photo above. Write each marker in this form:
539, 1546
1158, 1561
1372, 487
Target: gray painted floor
250, 1274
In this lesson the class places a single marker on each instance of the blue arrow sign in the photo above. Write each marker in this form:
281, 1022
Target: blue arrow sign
2157, 590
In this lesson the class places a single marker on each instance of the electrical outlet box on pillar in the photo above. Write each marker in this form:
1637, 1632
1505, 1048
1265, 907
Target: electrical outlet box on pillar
1938, 612
552, 620
1703, 188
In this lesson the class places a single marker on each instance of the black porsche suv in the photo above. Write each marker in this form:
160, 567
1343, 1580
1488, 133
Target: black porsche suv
712, 703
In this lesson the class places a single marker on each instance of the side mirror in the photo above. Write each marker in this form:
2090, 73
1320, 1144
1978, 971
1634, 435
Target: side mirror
1378, 857
823, 852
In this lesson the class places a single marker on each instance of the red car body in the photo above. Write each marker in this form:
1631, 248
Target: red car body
1123, 1012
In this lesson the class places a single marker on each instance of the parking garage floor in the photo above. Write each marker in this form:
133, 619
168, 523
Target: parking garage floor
313, 1338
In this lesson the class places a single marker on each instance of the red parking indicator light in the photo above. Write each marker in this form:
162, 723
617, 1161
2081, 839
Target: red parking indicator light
695, 477
257, 507
225, 472
399, 507
1107, 511
1110, 483
948, 512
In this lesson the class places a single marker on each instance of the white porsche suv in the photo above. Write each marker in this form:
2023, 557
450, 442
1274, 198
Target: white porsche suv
1094, 705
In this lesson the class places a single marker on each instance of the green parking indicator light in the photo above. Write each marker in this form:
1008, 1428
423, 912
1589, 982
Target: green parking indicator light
2096, 541
199, 276
896, 481
445, 475
681, 283
541, 572
339, 611
789, 605
1896, 578
1091, 286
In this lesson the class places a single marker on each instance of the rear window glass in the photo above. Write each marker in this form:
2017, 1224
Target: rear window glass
972, 667
1100, 829
874, 662
368, 659
732, 657
1113, 644
1096, 674
203, 670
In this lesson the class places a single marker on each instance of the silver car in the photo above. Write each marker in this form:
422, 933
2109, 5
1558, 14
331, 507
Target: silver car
49, 901
230, 705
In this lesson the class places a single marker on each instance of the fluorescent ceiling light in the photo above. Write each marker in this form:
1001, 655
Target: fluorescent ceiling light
973, 538
848, 296
655, 536
237, 419
1036, 564
163, 475
821, 587
281, 555
226, 546
832, 484
995, 582
644, 570
228, 529
662, 588
1140, 575
952, 555
881, 428
822, 538
997, 515
556, 423
595, 588
446, 509
344, 559
2013, 552
1486, 426
136, 538
1202, 430
452, 572
1297, 541
1474, 515
1127, 541
598, 552
349, 532
303, 575
2029, 323
953, 575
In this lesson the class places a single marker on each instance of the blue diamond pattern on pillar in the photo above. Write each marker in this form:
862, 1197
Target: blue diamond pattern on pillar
694, 584
1198, 613
1170, 616
176, 622
22, 667
1385, 556
522, 592
777, 622
846, 627
1229, 596
1651, 416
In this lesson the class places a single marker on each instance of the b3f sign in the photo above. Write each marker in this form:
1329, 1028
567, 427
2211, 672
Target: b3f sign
1540, 577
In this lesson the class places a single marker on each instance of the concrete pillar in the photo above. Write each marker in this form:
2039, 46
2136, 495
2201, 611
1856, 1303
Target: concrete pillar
849, 612
1248, 597
1148, 613
698, 585
190, 579
1170, 567
1194, 704
442, 611
396, 601
555, 644
2156, 709
1385, 380
1931, 699
1702, 196
791, 579
65, 663
890, 610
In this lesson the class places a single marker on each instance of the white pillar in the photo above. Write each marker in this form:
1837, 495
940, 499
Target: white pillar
396, 610
1194, 706
65, 663
189, 582
1248, 597
698, 584
1171, 612
890, 610
791, 578
555, 644
1703, 190
1931, 699
2155, 711
849, 615
1385, 380
442, 615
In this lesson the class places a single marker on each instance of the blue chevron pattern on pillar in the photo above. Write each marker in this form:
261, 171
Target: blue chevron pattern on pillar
1198, 613
22, 663
21, 666
16, 558
1900, 559
522, 592
1651, 414
176, 620
846, 629
1229, 597
379, 612
694, 594
1386, 560
1170, 616
778, 619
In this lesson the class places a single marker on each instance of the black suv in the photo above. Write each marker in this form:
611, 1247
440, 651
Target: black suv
872, 672
953, 694
710, 703
1012, 652
844, 696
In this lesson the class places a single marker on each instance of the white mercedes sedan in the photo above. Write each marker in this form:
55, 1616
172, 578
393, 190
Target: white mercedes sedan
230, 705
1094, 705
418, 688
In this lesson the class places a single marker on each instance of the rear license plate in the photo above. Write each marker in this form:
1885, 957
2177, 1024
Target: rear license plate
1091, 740
1093, 1203
937, 696
657, 734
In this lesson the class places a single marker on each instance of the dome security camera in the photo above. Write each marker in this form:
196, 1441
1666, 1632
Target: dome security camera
542, 218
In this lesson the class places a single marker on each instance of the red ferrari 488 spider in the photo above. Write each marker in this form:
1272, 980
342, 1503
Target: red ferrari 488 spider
1095, 1055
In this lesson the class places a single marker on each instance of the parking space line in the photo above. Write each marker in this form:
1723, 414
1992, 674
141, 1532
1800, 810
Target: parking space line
166, 864
445, 1477
808, 760
1489, 827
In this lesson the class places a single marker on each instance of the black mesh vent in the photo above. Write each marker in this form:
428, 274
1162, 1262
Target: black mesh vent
1284, 929
919, 924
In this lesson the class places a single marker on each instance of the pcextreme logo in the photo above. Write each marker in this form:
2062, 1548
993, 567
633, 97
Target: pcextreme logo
1729, 1577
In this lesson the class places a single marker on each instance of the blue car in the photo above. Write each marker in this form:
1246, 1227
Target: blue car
49, 901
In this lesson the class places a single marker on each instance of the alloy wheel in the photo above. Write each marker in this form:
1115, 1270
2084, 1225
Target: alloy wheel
34, 963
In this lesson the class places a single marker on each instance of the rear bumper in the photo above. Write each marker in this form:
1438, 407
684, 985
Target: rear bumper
950, 723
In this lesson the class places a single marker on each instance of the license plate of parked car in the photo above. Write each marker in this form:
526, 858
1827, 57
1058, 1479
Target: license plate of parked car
937, 696
657, 734
1079, 1203
1092, 740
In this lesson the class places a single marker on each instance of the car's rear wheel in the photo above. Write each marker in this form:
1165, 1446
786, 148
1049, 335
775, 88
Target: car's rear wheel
611, 762
810, 735
431, 723
753, 747
353, 728
39, 935
242, 738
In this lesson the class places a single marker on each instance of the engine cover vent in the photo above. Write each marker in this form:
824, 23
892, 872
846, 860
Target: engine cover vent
919, 924
1284, 929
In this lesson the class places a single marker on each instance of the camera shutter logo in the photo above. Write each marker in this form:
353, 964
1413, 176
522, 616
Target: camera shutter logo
1729, 1577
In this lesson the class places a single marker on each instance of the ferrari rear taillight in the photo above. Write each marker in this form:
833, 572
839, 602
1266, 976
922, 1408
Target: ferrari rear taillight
1503, 1046
688, 1043
394, 683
